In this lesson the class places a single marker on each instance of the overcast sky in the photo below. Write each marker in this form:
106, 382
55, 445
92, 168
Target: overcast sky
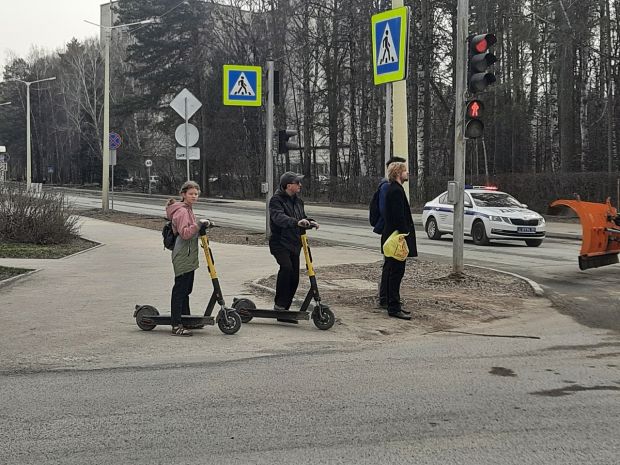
47, 24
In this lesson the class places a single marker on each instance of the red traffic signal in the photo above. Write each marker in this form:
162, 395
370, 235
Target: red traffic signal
482, 42
474, 109
474, 127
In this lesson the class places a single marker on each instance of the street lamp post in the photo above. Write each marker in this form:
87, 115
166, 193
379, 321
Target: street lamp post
28, 145
105, 178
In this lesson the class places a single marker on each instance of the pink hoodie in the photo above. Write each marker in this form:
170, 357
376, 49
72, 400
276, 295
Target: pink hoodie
183, 220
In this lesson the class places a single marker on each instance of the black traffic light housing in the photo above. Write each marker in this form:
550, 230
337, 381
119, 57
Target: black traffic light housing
479, 59
284, 145
473, 124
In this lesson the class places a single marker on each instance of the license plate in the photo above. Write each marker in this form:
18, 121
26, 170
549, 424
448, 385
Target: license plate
526, 230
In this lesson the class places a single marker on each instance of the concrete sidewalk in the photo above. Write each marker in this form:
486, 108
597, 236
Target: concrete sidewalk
77, 312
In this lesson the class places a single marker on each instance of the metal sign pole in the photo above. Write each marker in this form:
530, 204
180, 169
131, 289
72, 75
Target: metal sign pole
149, 175
388, 123
186, 140
269, 143
112, 191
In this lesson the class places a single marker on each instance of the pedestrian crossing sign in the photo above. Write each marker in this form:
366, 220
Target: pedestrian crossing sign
242, 85
390, 44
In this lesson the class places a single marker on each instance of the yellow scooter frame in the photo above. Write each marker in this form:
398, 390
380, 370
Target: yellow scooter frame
322, 316
228, 320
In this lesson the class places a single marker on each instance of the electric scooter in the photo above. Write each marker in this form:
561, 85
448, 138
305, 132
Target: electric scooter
321, 314
228, 320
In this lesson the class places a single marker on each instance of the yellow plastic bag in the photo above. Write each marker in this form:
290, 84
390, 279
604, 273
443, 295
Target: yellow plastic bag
396, 247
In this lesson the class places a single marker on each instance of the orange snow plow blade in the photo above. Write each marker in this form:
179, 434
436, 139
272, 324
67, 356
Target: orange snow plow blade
600, 224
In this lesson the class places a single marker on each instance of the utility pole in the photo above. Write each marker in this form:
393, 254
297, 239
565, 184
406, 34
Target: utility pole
28, 136
462, 16
105, 156
269, 143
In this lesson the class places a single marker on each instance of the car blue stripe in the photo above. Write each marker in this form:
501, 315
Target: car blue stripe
450, 210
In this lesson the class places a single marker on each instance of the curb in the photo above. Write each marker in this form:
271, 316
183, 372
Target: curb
9, 281
96, 246
568, 236
538, 290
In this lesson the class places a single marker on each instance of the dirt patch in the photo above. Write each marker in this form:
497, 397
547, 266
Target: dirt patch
221, 234
437, 300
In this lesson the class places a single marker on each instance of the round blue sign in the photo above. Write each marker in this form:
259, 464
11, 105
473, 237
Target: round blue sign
115, 141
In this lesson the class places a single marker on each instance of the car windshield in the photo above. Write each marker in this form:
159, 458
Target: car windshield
495, 199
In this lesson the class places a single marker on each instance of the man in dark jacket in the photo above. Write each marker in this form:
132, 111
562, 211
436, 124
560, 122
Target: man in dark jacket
397, 216
286, 218
378, 229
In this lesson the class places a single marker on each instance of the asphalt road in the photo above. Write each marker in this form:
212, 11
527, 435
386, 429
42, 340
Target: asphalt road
592, 297
438, 400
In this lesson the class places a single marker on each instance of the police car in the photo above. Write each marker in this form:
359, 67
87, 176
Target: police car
489, 214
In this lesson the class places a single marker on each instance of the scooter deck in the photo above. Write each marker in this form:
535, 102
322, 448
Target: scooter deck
287, 315
186, 320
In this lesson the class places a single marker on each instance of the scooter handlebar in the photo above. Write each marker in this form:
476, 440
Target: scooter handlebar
312, 224
204, 225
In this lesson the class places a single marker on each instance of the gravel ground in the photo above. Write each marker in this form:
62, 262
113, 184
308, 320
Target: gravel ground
437, 299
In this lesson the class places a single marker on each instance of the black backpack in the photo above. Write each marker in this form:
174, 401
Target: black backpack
168, 235
374, 214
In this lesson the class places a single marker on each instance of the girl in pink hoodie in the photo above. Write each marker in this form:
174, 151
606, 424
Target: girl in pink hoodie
184, 254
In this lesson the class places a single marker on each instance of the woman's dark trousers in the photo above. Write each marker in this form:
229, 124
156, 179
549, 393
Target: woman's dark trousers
394, 270
288, 277
183, 285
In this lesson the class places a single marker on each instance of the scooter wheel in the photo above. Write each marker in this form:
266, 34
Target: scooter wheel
244, 304
142, 317
229, 322
323, 317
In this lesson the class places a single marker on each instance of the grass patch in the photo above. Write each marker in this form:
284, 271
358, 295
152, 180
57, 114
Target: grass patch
21, 250
6, 273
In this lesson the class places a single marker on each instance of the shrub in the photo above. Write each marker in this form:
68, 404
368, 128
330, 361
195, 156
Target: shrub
42, 218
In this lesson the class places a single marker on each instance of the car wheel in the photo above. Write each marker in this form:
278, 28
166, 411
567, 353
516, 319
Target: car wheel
533, 242
479, 233
432, 231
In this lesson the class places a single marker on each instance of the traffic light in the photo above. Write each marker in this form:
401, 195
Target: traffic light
479, 59
473, 125
284, 145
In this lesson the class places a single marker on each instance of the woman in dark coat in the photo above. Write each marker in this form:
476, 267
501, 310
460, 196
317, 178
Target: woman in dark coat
397, 215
